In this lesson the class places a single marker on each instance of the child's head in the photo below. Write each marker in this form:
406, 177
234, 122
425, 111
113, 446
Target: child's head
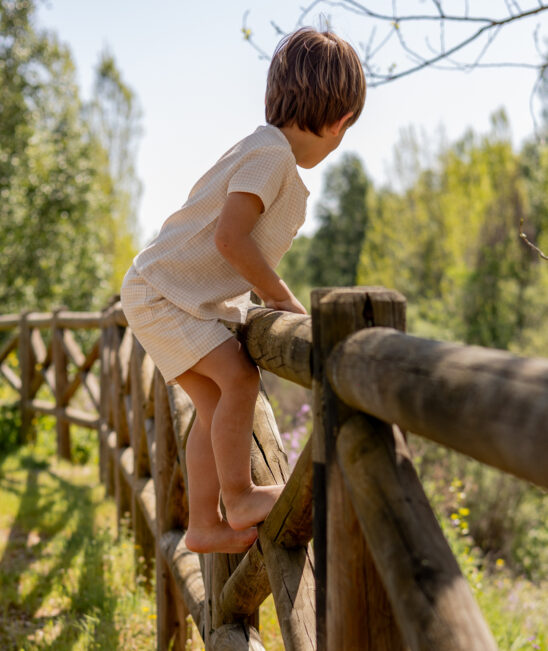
314, 79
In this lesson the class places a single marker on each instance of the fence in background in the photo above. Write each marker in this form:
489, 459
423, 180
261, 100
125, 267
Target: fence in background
379, 575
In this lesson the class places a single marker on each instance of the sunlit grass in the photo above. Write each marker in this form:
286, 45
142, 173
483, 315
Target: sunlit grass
67, 581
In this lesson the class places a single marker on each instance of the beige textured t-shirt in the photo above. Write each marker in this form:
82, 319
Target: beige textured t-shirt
183, 264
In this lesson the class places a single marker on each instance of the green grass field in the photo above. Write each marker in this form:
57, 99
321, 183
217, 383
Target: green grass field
70, 580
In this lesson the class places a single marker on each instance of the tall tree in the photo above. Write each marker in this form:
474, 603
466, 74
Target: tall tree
54, 213
334, 250
115, 120
449, 242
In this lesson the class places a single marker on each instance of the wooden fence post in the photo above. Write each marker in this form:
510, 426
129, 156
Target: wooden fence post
27, 363
170, 609
104, 428
59, 358
346, 578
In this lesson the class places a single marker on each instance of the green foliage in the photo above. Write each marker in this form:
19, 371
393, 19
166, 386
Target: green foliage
293, 268
334, 251
55, 186
114, 118
449, 241
330, 257
10, 425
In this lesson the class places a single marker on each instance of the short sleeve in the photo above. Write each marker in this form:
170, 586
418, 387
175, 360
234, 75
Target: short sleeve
262, 171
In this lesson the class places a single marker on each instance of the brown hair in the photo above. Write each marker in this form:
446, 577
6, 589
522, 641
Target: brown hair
314, 79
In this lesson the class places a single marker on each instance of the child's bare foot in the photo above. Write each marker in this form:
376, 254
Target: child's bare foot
251, 506
221, 538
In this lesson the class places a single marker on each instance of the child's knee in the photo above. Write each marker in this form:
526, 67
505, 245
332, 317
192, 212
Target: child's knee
246, 377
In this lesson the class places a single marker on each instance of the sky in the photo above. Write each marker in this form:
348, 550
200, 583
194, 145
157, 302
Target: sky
201, 85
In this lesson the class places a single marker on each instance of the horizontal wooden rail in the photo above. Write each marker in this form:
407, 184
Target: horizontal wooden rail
280, 342
488, 404
384, 578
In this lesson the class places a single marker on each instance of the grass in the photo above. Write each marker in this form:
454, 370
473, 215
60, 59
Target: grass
67, 580
70, 580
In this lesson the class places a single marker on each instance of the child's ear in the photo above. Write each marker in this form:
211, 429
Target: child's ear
336, 128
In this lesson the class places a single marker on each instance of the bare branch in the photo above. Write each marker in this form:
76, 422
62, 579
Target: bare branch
483, 27
530, 244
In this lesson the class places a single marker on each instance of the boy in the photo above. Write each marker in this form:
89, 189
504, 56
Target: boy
239, 219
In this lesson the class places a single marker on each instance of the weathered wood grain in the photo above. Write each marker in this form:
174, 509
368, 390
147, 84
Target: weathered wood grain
236, 637
434, 606
280, 342
60, 361
488, 404
289, 524
346, 577
167, 622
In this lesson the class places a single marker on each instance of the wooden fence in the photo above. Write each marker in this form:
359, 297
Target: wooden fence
380, 575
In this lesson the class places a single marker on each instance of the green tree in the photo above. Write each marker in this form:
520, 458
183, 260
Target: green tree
449, 242
55, 210
334, 250
115, 120
293, 268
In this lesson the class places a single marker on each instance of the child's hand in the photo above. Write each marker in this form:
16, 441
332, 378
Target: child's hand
290, 304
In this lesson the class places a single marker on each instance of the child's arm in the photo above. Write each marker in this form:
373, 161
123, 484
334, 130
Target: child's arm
233, 240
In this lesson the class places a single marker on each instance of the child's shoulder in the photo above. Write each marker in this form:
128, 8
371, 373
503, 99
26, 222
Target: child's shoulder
266, 140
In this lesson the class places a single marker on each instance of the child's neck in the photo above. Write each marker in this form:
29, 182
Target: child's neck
308, 148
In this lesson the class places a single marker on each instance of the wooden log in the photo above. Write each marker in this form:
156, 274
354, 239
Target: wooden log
26, 369
488, 404
186, 571
289, 524
268, 457
236, 637
144, 522
177, 502
9, 321
137, 430
9, 345
76, 320
150, 432
104, 379
120, 352
346, 578
72, 349
167, 622
38, 347
123, 484
118, 315
110, 445
127, 464
79, 417
291, 577
59, 358
11, 377
248, 586
182, 415
146, 497
44, 407
89, 382
40, 319
434, 606
280, 342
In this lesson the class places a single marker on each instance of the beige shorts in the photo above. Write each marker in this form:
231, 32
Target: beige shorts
173, 338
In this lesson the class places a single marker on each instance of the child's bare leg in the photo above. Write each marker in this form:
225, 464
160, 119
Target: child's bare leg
231, 428
207, 530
